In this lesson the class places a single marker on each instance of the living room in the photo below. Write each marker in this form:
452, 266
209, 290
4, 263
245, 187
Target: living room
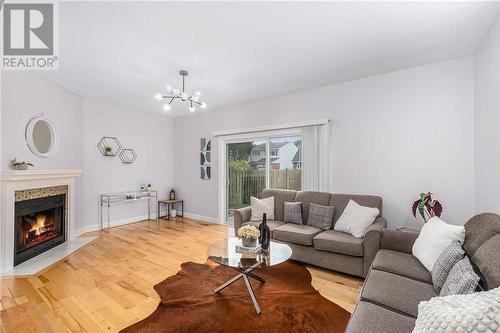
144, 144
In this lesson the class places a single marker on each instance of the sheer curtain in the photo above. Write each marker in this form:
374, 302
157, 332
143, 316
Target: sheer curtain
315, 158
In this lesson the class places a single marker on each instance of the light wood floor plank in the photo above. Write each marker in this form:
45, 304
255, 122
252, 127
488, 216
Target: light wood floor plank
108, 285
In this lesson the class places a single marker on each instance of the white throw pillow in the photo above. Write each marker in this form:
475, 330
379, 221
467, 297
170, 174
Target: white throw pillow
355, 219
434, 238
476, 312
261, 206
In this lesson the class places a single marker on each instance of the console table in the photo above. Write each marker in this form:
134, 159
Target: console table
108, 199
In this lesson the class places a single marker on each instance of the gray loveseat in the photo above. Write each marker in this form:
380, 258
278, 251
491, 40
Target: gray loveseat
329, 249
398, 282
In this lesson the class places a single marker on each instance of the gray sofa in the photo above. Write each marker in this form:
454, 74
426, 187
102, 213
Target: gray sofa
397, 282
329, 249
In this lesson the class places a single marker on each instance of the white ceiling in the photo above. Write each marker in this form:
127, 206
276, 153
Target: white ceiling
124, 52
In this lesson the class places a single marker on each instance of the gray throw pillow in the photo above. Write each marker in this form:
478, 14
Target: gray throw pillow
461, 280
293, 212
320, 216
445, 262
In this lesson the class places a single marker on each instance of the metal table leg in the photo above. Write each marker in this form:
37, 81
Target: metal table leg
108, 216
245, 274
149, 208
101, 214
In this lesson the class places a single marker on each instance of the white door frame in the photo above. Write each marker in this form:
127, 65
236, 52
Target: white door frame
222, 142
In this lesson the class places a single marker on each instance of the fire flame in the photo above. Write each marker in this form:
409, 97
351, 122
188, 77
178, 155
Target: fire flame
40, 223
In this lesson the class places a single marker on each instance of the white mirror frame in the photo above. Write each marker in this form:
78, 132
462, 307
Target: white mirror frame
29, 137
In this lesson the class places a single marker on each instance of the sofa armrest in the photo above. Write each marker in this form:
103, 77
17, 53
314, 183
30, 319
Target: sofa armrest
396, 240
371, 241
241, 216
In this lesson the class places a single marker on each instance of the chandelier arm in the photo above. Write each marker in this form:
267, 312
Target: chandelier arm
171, 100
193, 101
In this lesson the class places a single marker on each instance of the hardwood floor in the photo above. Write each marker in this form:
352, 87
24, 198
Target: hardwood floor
108, 284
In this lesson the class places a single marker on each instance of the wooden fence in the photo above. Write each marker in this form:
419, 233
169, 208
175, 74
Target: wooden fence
243, 184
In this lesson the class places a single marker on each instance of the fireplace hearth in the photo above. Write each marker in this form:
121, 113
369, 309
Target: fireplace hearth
39, 226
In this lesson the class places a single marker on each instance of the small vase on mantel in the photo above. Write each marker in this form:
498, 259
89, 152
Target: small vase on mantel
265, 233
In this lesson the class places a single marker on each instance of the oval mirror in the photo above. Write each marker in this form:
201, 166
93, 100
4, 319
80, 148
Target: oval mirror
41, 137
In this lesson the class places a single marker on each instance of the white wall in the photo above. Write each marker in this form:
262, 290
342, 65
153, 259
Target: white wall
80, 124
487, 122
26, 95
394, 135
151, 137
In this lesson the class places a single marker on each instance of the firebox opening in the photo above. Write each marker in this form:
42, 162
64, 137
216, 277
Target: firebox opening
40, 225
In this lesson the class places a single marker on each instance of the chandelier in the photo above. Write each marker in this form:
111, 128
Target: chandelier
177, 94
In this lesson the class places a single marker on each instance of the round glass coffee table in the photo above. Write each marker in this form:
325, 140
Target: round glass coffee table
224, 252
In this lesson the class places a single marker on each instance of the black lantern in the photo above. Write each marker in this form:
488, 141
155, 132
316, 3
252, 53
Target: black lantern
172, 194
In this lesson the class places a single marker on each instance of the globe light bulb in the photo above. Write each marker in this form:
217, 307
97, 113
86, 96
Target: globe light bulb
167, 107
158, 96
192, 108
176, 92
197, 93
169, 88
203, 105
195, 98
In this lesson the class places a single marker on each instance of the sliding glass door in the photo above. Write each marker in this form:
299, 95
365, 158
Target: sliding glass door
246, 172
266, 162
285, 160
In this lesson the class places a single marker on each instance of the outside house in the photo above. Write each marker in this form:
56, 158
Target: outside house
284, 155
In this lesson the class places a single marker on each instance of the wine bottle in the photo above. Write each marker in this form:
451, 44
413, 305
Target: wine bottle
265, 233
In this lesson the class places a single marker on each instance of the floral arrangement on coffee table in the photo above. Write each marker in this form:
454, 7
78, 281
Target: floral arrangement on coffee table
248, 231
427, 207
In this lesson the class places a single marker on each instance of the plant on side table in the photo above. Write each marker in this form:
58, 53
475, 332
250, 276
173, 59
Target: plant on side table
20, 164
249, 235
427, 207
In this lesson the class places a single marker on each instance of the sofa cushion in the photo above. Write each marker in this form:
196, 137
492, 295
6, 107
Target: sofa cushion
340, 201
272, 224
396, 292
487, 259
461, 280
434, 238
280, 196
293, 212
369, 317
320, 216
295, 233
403, 264
445, 262
356, 219
260, 207
338, 242
307, 197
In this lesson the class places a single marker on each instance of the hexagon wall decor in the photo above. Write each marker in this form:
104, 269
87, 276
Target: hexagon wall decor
109, 146
127, 155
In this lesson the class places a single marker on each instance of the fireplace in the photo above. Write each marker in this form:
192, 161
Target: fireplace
39, 226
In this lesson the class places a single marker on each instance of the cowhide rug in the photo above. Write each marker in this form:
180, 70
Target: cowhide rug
287, 300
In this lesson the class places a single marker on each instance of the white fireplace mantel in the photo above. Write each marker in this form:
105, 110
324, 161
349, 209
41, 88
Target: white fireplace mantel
12, 181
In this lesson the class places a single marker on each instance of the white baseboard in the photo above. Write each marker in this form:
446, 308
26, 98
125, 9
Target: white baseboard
202, 218
116, 223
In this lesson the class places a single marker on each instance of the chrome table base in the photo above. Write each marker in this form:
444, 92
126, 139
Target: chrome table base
245, 274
